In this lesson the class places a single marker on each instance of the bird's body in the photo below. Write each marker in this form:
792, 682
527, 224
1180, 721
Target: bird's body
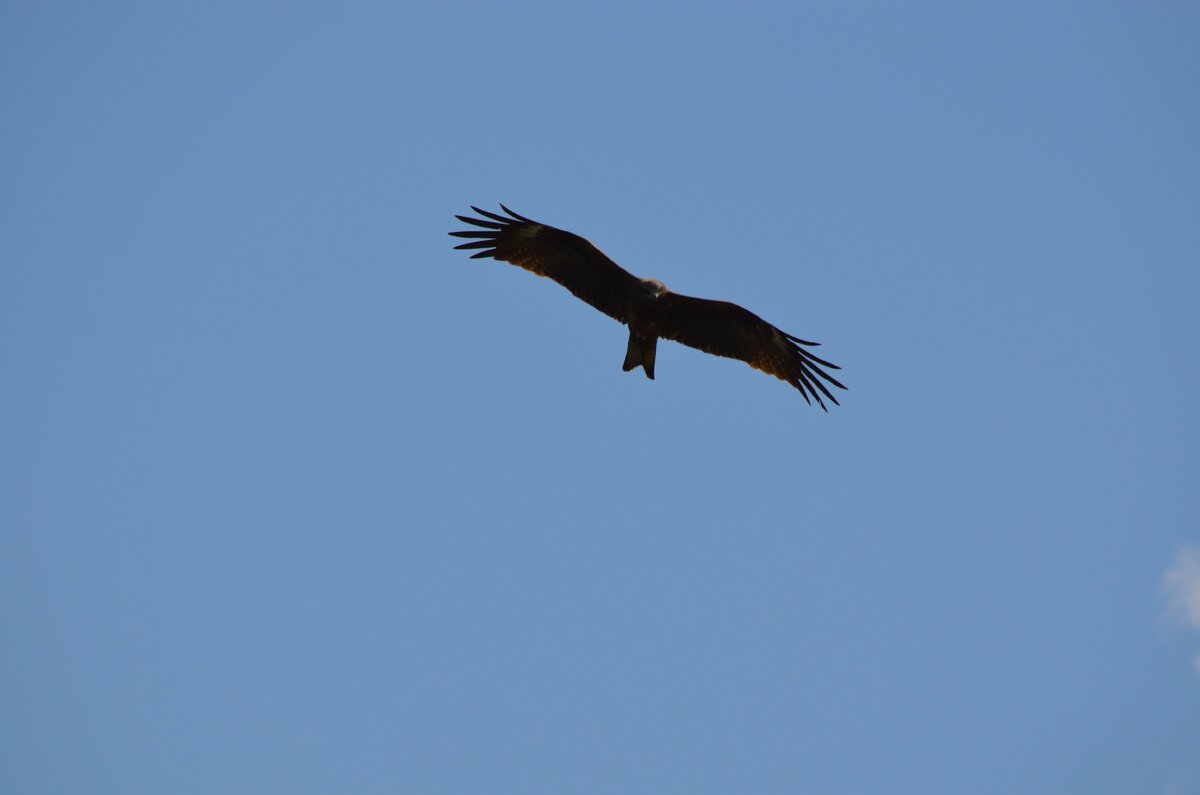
649, 309
645, 327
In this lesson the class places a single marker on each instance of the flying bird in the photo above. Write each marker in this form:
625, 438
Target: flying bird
649, 309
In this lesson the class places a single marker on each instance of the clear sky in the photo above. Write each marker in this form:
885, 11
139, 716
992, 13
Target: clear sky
295, 498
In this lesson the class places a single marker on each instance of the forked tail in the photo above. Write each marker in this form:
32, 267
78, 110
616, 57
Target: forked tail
641, 352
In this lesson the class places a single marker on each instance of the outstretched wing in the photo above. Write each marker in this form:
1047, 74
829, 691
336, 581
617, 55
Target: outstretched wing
564, 257
726, 329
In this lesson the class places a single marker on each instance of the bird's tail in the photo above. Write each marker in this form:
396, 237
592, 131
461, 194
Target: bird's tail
641, 352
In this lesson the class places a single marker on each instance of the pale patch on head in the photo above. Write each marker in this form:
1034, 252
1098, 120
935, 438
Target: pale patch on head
654, 287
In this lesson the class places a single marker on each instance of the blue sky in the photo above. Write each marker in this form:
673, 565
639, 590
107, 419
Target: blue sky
296, 498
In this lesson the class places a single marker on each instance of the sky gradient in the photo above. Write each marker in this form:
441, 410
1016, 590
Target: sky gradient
296, 498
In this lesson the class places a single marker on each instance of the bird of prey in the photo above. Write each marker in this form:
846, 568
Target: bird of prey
646, 305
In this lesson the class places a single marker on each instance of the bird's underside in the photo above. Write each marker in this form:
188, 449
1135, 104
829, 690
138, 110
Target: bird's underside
649, 309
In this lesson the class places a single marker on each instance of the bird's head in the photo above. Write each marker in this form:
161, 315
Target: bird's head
653, 288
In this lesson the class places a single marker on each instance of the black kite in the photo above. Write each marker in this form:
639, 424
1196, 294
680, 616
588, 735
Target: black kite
646, 306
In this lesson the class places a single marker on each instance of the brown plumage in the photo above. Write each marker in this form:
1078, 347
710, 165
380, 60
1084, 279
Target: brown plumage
646, 306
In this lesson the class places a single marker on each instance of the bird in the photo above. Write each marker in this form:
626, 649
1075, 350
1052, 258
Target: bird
646, 305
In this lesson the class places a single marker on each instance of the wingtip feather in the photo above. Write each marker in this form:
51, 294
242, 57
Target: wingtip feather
493, 216
518, 216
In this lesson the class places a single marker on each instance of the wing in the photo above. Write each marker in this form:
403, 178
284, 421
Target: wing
726, 329
564, 257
